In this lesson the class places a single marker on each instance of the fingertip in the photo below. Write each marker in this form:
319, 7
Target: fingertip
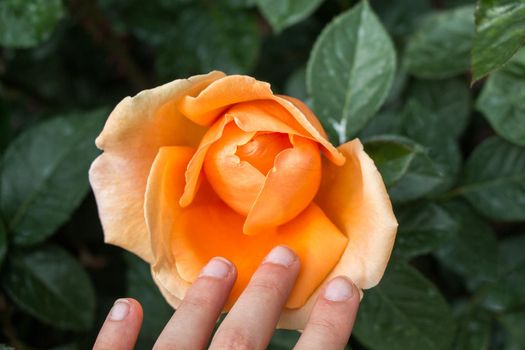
220, 268
125, 308
281, 255
340, 289
136, 310
332, 317
122, 325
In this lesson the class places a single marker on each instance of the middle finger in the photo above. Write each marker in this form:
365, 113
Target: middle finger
251, 321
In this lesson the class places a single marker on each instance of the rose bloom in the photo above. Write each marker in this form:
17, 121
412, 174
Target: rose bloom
218, 165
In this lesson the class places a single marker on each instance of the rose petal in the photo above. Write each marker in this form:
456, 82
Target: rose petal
207, 106
309, 122
355, 199
265, 115
194, 240
193, 172
204, 108
133, 133
166, 178
289, 187
262, 149
236, 182
310, 116
319, 245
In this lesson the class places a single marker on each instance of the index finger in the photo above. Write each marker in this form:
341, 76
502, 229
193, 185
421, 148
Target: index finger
252, 320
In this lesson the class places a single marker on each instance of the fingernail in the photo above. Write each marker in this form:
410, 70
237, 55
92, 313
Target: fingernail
281, 256
217, 267
120, 310
339, 289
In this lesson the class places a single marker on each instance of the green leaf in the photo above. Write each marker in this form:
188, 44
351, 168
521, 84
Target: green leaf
211, 39
383, 123
514, 323
474, 329
350, 71
445, 108
400, 17
500, 32
446, 154
441, 46
392, 155
397, 89
284, 13
494, 180
25, 23
405, 311
507, 292
472, 253
423, 227
49, 284
511, 253
502, 102
284, 340
141, 287
427, 173
441, 147
44, 174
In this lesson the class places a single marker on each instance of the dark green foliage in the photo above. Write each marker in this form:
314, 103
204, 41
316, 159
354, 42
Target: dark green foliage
28, 23
406, 311
396, 73
440, 46
44, 175
501, 100
350, 70
50, 285
500, 33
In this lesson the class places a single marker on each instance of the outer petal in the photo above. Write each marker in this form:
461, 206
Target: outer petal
183, 242
133, 133
354, 197
310, 123
165, 180
205, 107
265, 115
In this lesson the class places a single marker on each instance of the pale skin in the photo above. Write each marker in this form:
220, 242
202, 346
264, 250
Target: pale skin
251, 321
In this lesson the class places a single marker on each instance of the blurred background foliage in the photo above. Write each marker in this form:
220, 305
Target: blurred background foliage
426, 84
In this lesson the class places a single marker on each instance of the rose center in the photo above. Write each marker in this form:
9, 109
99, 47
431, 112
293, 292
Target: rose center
261, 150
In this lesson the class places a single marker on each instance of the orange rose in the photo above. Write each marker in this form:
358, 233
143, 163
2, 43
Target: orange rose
218, 165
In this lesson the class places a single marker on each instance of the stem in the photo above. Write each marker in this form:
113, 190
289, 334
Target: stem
101, 31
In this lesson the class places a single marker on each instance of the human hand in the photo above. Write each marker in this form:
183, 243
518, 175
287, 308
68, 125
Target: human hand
251, 321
